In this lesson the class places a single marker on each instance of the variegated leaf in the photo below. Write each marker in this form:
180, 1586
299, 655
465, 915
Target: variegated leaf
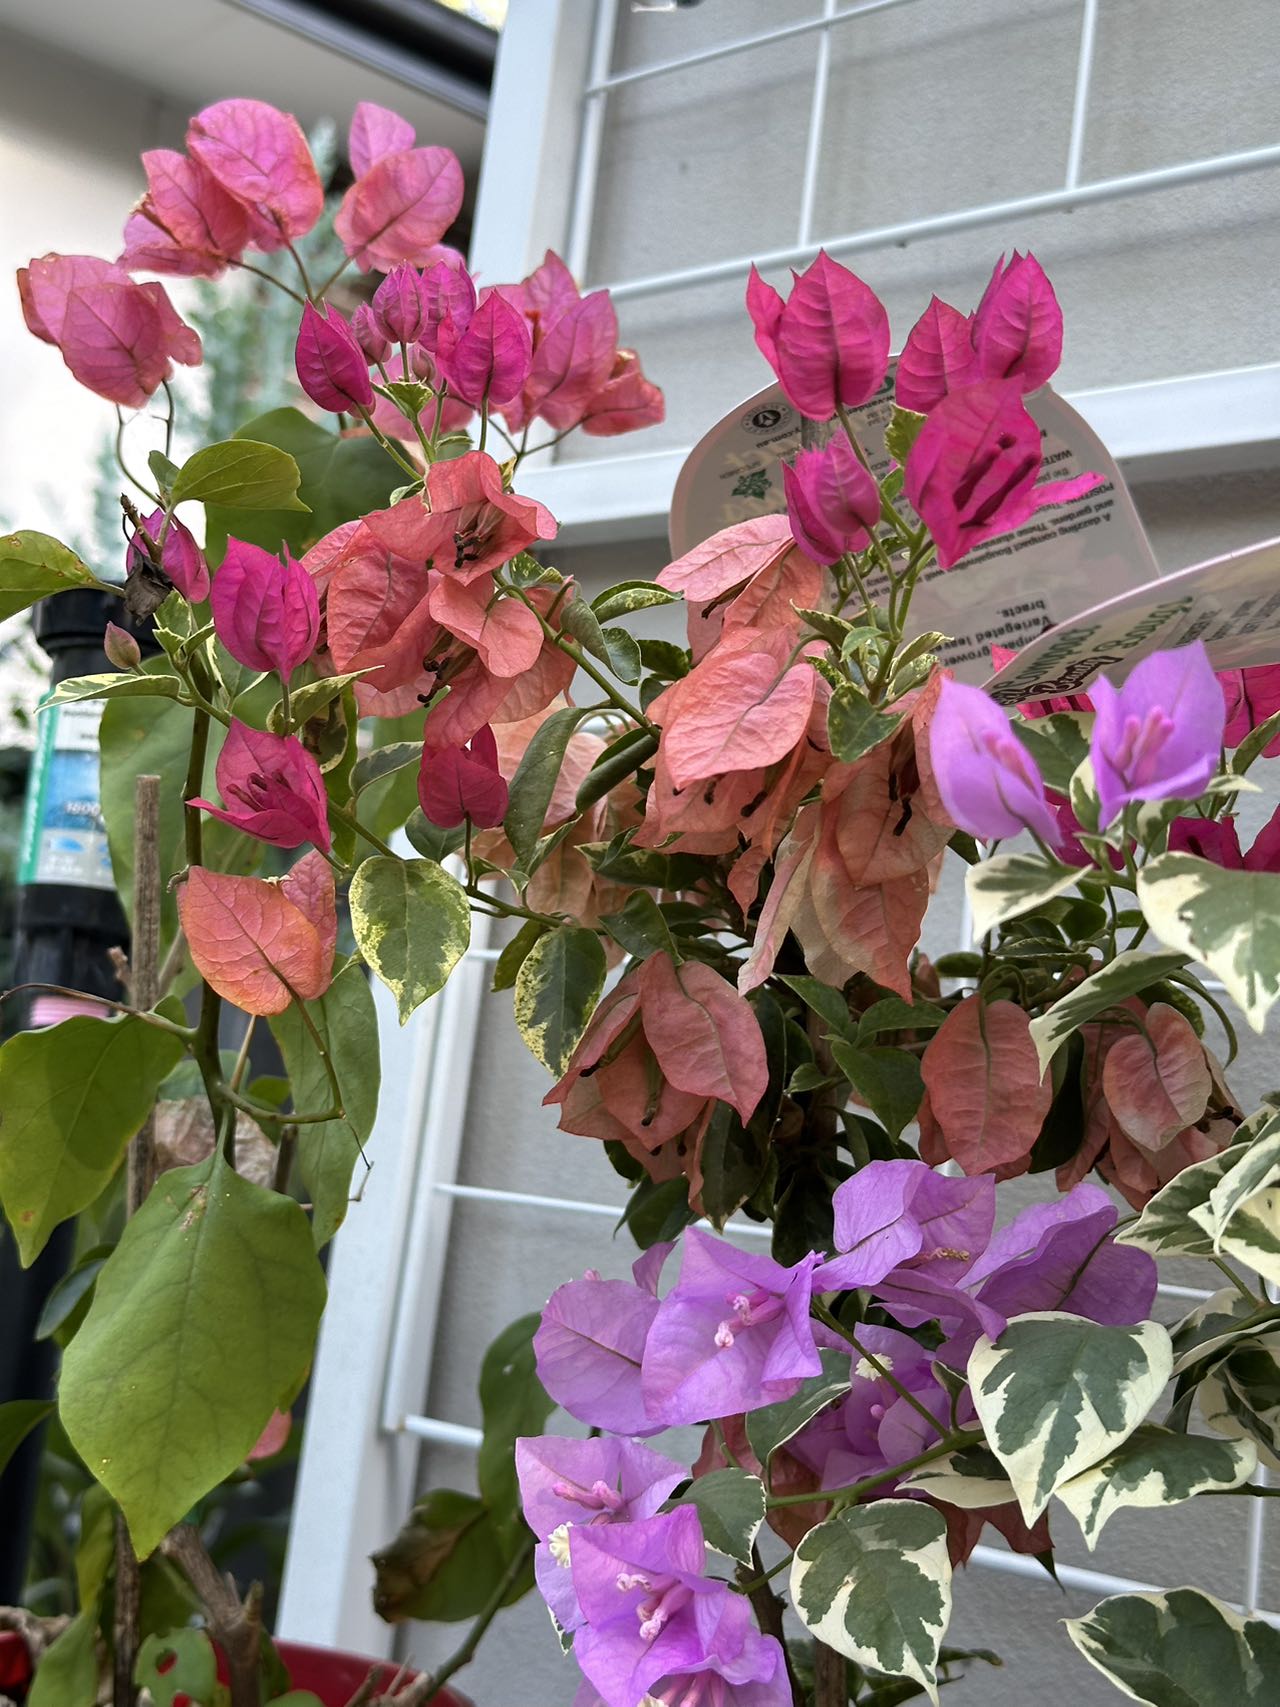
970, 1479
1154, 1467
1259, 1166
1213, 1325
1252, 1235
875, 1584
1230, 920
1241, 1398
731, 1506
1181, 1649
1057, 1393
1008, 885
1113, 983
773, 1425
1166, 1226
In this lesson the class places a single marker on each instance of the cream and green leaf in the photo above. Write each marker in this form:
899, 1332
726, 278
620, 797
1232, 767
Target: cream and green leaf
874, 1583
1217, 1323
773, 1425
1010, 884
971, 1479
1154, 1467
730, 1504
1055, 1394
1180, 1649
1230, 920
412, 924
1241, 1397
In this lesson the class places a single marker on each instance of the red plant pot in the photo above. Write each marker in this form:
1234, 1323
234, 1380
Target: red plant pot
335, 1676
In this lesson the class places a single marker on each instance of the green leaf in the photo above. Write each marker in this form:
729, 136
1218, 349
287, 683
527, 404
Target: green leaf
1230, 920
203, 1324
17, 1419
1059, 745
241, 474
513, 1402
73, 1095
1154, 1467
624, 654
1251, 748
874, 1583
620, 759
579, 621
1008, 885
535, 780
557, 988
887, 1080
629, 596
640, 927
383, 761
69, 1299
113, 684
731, 1506
854, 726
1120, 978
513, 955
311, 699
67, 1675
412, 924
972, 1478
328, 1150
430, 840
891, 1013
96, 1548
828, 1003
1240, 1214
902, 432
181, 1662
1180, 1649
1057, 1393
734, 1160
1166, 1224
32, 565
773, 1426
163, 471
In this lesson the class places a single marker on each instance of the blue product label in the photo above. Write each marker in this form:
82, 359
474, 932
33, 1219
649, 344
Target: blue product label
64, 839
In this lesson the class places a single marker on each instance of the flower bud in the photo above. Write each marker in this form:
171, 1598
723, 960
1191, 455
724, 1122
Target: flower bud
370, 339
266, 613
448, 293
1017, 330
332, 368
398, 306
833, 502
180, 557
121, 648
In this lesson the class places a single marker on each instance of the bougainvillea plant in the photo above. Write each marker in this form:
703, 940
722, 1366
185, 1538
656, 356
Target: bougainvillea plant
715, 861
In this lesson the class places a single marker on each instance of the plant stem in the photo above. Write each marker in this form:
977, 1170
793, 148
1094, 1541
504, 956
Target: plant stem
1236, 1281
768, 1608
262, 273
574, 651
235, 1626
951, 1442
882, 1370
419, 1693
830, 1677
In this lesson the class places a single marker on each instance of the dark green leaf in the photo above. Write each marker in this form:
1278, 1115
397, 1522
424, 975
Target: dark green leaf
382, 761
829, 1004
17, 1419
445, 1563
513, 1402
665, 659
513, 955
70, 1296
891, 1013
620, 759
655, 1212
887, 1080
640, 927
623, 653
429, 840
774, 1425
67, 1675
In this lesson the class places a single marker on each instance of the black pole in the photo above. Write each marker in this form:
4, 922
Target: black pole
68, 918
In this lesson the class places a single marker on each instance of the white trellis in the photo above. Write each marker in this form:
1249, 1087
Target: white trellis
548, 121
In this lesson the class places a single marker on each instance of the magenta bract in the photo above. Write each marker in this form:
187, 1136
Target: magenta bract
972, 471
936, 358
399, 307
267, 613
332, 368
487, 359
832, 501
457, 783
1017, 330
180, 557
260, 156
828, 342
272, 789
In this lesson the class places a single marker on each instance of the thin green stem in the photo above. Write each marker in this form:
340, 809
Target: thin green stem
366, 415
348, 817
574, 651
951, 1442
1234, 1278
185, 1032
334, 276
882, 1369
312, 296
130, 476
262, 273
426, 1688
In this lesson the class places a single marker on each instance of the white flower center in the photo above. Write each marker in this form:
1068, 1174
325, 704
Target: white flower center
558, 1542
864, 1370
